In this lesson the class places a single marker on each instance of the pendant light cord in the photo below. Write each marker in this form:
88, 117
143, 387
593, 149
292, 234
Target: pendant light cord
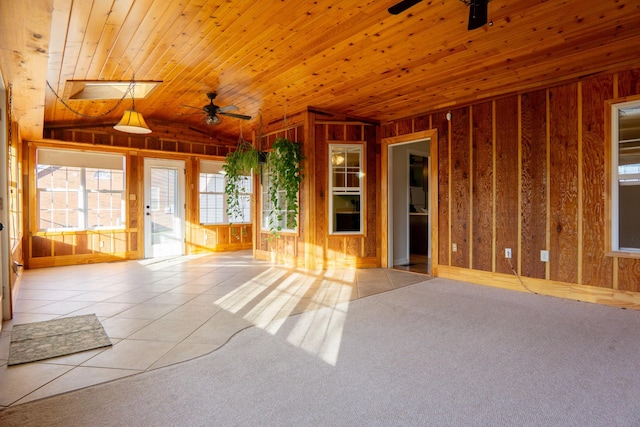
74, 111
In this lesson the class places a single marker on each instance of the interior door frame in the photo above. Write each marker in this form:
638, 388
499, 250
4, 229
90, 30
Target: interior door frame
180, 166
386, 258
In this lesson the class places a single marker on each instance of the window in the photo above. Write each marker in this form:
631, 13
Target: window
625, 200
276, 217
213, 200
346, 203
15, 196
79, 190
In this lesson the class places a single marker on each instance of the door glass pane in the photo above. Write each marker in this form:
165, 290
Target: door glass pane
165, 226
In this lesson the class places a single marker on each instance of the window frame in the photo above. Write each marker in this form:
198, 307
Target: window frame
92, 162
612, 144
361, 192
215, 167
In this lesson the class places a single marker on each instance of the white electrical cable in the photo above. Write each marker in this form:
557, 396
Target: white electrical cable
518, 277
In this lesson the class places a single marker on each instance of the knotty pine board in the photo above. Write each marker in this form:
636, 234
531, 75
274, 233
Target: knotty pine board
597, 268
441, 123
533, 183
482, 194
506, 196
563, 223
460, 190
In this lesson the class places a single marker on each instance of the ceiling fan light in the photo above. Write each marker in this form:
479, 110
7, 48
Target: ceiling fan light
132, 122
212, 120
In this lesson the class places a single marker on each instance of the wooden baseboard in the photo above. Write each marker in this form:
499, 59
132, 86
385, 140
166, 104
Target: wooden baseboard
592, 294
57, 261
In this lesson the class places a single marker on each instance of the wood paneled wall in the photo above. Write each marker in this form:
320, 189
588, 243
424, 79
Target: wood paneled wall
527, 172
286, 248
45, 249
313, 246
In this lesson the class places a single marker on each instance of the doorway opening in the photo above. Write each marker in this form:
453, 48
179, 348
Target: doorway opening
409, 225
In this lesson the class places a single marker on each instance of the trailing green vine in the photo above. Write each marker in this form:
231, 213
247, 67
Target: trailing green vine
284, 164
238, 164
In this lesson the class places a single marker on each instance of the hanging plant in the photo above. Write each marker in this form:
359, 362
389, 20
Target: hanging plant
284, 164
238, 164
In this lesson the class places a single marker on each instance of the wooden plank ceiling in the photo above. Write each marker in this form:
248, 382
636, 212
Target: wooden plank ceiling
273, 58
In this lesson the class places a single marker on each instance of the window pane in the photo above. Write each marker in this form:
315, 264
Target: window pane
628, 210
629, 162
347, 213
628, 178
337, 157
105, 210
211, 208
279, 216
245, 184
353, 178
215, 183
629, 123
353, 158
245, 206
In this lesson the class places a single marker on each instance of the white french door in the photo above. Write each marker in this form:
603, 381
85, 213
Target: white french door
164, 208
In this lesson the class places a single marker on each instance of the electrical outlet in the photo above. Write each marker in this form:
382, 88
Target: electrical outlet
454, 247
507, 253
544, 256
101, 244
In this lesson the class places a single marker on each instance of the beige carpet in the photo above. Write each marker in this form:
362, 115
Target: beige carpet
31, 342
438, 353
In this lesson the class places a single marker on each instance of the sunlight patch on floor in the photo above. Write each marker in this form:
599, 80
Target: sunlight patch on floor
282, 302
322, 298
250, 290
319, 331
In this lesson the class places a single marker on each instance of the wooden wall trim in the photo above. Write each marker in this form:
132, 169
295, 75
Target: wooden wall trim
310, 259
432, 135
580, 185
591, 294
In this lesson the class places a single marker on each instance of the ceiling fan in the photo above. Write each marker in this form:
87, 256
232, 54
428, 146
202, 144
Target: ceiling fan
212, 111
477, 10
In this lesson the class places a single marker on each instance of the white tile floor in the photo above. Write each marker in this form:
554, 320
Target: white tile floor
161, 312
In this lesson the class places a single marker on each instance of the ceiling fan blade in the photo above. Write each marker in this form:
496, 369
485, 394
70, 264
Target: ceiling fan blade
237, 116
191, 106
188, 114
478, 13
402, 6
228, 108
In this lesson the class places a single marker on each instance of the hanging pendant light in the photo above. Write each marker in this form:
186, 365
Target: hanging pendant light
132, 121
